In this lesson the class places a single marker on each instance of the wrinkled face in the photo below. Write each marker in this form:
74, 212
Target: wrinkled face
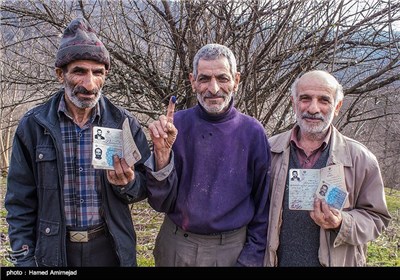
214, 84
83, 82
315, 105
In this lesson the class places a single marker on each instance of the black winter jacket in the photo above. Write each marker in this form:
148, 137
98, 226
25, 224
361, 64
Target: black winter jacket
34, 198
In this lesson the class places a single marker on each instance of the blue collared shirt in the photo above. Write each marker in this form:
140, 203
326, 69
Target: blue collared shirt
82, 195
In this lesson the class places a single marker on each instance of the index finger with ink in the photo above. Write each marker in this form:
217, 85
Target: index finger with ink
171, 109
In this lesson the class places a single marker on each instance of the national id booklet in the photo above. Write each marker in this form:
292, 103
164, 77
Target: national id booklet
108, 142
327, 183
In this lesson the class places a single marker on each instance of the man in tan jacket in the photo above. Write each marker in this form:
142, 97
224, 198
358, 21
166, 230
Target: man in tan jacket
323, 236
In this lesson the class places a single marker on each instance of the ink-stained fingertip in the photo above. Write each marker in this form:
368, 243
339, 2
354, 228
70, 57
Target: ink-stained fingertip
173, 99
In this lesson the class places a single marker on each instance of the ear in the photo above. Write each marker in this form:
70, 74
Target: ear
60, 75
338, 106
293, 104
192, 82
237, 80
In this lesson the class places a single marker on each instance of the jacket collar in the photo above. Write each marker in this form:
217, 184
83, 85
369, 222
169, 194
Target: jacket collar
111, 116
339, 150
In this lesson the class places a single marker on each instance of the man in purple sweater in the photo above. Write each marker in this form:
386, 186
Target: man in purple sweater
212, 178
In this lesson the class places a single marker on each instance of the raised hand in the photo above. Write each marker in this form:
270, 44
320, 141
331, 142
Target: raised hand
163, 134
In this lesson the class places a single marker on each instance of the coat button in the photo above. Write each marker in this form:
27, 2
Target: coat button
47, 230
40, 156
185, 235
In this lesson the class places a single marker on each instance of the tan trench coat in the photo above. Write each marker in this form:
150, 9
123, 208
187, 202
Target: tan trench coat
363, 221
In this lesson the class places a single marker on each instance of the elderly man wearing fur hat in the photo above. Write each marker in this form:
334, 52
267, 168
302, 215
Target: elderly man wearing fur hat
62, 211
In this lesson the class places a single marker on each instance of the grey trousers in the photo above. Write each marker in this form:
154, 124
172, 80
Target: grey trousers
176, 247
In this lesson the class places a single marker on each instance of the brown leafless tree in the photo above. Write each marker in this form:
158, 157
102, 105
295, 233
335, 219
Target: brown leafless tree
152, 44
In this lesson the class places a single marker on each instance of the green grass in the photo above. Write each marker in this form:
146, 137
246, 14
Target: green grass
147, 223
393, 199
4, 242
383, 252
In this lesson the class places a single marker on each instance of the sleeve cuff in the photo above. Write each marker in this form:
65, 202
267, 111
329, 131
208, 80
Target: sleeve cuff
161, 174
344, 230
124, 189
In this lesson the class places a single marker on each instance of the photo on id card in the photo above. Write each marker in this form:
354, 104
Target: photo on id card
334, 196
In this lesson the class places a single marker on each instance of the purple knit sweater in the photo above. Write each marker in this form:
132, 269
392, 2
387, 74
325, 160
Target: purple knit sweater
221, 178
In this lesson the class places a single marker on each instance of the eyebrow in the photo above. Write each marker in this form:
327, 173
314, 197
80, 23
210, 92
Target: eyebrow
80, 68
222, 75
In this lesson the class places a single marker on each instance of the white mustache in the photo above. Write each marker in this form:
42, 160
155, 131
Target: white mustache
209, 94
316, 116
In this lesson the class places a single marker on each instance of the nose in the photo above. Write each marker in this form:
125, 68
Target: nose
213, 86
88, 81
313, 108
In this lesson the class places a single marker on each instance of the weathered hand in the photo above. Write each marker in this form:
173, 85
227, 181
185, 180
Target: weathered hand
324, 216
122, 173
163, 134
